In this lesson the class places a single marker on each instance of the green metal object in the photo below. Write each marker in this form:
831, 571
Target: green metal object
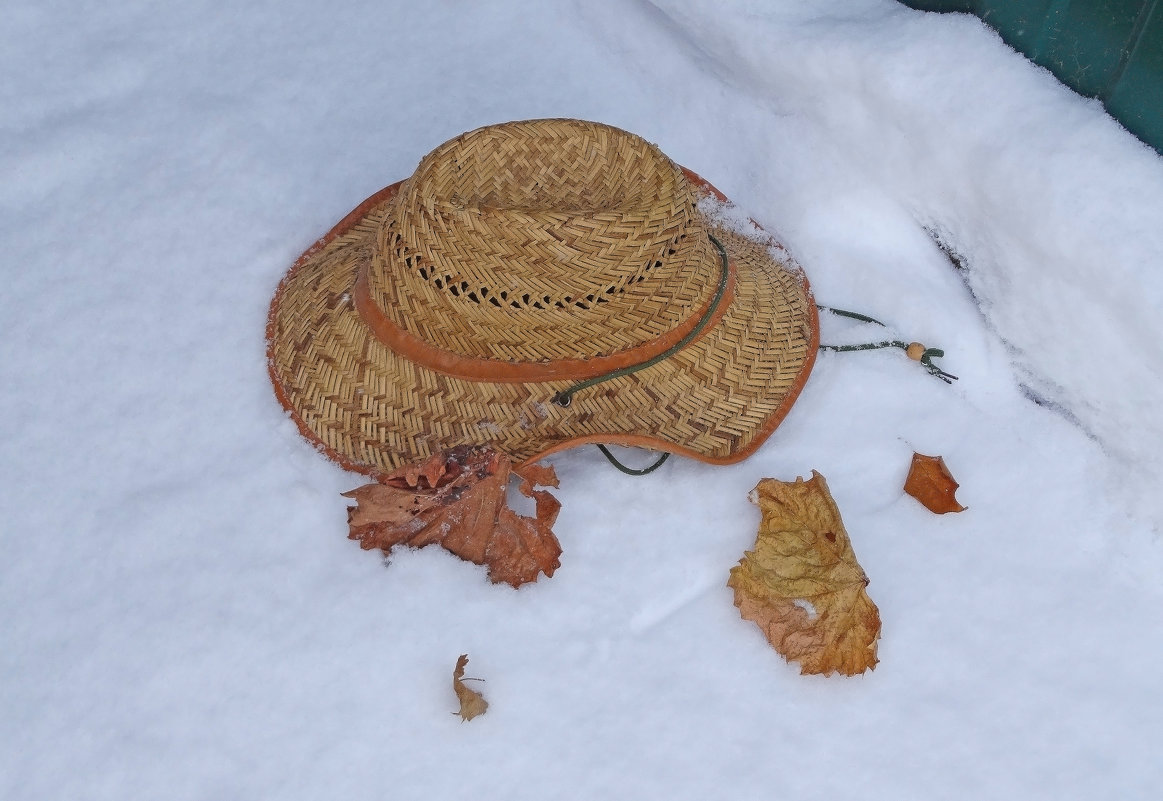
1108, 49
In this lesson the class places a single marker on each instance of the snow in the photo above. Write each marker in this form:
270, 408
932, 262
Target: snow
182, 615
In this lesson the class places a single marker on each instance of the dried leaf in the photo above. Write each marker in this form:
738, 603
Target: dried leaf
802, 584
536, 474
431, 469
456, 499
472, 703
931, 483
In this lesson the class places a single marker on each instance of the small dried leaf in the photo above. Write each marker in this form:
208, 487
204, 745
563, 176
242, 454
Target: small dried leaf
431, 470
456, 499
802, 584
472, 703
931, 483
536, 474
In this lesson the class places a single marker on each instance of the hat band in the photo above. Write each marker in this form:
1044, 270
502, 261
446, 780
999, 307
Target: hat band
469, 368
564, 397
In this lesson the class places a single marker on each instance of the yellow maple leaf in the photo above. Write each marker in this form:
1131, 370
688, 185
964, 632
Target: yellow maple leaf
802, 584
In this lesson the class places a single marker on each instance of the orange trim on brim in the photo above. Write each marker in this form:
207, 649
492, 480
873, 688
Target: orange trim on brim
492, 370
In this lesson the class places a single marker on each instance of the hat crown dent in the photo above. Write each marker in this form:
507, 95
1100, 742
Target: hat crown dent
543, 240
576, 168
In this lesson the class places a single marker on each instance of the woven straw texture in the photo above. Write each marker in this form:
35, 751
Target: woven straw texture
537, 241
565, 211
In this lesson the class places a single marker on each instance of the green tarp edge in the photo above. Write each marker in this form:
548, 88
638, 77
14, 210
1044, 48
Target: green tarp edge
1108, 49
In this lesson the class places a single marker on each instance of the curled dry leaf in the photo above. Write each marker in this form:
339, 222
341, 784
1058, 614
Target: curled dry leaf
456, 499
472, 703
931, 483
802, 584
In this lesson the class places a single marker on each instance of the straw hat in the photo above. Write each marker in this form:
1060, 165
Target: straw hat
537, 285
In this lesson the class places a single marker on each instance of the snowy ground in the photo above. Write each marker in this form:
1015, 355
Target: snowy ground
180, 612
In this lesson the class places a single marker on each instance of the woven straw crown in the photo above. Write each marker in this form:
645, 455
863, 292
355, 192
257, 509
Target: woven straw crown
492, 256
519, 258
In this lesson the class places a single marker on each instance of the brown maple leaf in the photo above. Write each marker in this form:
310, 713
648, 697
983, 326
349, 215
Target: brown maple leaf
931, 483
456, 499
802, 584
472, 703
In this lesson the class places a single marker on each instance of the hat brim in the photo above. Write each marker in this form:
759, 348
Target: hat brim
372, 410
